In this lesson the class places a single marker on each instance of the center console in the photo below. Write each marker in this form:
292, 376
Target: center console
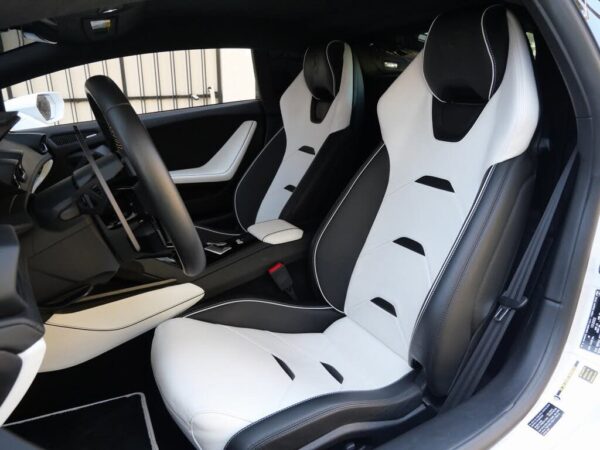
247, 260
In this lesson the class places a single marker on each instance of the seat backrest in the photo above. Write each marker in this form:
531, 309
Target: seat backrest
447, 182
319, 110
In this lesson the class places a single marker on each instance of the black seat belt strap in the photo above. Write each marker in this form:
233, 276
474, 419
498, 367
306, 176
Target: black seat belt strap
509, 302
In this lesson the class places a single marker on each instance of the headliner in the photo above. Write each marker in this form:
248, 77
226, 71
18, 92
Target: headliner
265, 21
158, 25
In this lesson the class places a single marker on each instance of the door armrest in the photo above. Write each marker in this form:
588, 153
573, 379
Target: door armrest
224, 164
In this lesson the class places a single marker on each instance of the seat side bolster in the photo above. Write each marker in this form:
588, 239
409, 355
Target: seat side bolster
337, 244
268, 315
475, 274
305, 422
255, 182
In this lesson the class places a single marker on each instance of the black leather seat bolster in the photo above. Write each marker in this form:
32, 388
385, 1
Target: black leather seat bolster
255, 182
301, 424
475, 273
338, 159
268, 315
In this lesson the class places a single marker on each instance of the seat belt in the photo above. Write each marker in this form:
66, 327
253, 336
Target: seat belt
283, 279
509, 302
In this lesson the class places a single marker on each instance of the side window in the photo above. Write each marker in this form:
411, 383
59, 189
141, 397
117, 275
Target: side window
153, 82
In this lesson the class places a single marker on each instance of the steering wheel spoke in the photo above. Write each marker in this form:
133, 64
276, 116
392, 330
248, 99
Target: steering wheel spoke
155, 192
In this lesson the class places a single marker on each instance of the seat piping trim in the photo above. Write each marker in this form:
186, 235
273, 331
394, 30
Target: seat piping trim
340, 203
454, 247
246, 173
283, 305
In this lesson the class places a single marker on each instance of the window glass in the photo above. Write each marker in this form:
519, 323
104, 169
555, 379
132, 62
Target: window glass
590, 10
153, 82
11, 39
531, 40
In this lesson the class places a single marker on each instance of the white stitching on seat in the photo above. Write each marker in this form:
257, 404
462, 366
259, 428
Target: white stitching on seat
452, 250
244, 176
423, 68
331, 218
487, 46
284, 305
217, 231
331, 67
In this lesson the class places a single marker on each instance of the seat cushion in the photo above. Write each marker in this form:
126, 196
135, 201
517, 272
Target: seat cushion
217, 379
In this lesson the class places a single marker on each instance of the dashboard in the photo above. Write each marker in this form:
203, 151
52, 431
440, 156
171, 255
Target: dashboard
53, 256
24, 159
21, 326
72, 239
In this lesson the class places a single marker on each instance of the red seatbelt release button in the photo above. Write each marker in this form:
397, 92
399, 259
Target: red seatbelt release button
282, 279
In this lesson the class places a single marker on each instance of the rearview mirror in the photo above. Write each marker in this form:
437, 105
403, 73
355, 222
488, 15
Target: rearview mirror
37, 110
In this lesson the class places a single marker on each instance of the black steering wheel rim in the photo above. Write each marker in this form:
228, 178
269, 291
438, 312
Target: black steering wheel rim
122, 126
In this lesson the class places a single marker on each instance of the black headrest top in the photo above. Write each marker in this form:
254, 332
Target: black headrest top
465, 54
323, 66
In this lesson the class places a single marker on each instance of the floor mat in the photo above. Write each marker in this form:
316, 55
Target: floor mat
115, 424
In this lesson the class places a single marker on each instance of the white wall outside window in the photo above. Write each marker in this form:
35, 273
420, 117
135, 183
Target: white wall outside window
152, 82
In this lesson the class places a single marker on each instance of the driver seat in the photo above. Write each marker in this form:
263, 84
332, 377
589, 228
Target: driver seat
300, 171
410, 261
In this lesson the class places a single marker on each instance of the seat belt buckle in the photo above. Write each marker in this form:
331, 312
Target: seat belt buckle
506, 303
282, 278
512, 303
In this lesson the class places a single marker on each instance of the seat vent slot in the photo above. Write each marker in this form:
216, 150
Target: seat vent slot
307, 149
290, 188
411, 245
435, 182
333, 372
285, 368
385, 305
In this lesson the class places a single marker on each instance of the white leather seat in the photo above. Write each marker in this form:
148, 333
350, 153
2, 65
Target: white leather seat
217, 379
315, 147
411, 258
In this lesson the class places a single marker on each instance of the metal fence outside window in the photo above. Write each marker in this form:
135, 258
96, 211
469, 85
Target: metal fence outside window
152, 82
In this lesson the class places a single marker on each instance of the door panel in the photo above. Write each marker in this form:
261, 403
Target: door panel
224, 164
190, 138
185, 138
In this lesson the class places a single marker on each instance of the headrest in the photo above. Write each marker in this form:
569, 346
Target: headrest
465, 54
322, 69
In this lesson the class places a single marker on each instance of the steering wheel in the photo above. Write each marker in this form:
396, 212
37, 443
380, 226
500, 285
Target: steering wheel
128, 137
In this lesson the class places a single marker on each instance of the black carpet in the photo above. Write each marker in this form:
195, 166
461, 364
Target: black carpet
114, 424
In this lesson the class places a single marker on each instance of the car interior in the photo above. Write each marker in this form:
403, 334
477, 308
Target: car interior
311, 268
